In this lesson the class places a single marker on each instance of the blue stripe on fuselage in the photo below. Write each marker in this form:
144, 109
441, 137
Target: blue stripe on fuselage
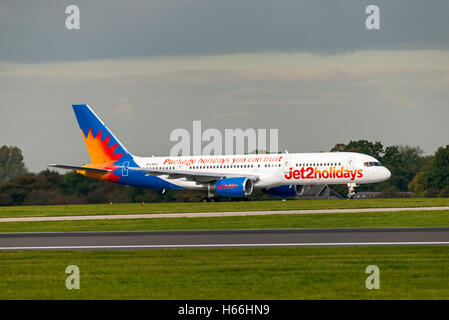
140, 179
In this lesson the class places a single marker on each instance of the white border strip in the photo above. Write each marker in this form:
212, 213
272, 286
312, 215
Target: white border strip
303, 244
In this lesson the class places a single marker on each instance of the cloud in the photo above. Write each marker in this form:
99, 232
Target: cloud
123, 110
111, 29
282, 66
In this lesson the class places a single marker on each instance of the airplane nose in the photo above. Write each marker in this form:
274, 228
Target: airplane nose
387, 174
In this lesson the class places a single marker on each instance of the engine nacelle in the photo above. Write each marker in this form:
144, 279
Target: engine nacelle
232, 187
288, 191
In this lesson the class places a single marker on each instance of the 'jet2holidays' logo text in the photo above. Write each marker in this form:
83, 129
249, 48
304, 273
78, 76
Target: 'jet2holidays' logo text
332, 173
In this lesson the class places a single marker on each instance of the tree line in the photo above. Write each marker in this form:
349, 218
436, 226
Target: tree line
411, 170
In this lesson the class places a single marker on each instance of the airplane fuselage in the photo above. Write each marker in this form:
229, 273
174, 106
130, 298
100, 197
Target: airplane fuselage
275, 169
222, 175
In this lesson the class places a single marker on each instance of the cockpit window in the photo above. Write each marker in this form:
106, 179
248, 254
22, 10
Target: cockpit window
372, 164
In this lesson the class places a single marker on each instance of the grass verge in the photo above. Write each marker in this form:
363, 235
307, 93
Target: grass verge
329, 220
134, 208
406, 272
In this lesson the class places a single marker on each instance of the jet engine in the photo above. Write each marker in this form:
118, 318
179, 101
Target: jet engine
232, 187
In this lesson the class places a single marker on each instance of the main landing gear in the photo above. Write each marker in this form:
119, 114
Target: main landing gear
351, 192
210, 199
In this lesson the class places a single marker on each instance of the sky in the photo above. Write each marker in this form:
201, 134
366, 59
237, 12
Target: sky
310, 69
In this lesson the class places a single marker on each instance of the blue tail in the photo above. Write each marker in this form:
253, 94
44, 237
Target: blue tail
101, 143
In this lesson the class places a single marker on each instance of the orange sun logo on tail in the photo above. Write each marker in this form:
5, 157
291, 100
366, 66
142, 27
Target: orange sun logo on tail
99, 151
102, 156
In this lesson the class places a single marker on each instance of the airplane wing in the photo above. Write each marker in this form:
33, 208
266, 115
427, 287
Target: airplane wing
199, 177
191, 175
79, 168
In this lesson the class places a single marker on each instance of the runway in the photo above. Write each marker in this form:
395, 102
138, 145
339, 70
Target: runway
215, 214
223, 238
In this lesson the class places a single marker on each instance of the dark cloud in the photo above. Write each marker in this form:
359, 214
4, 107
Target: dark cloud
35, 31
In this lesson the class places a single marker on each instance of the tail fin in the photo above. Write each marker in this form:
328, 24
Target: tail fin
101, 143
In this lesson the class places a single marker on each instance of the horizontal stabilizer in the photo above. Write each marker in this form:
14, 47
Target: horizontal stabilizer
79, 168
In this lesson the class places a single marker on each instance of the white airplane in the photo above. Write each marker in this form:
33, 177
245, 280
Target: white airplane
283, 175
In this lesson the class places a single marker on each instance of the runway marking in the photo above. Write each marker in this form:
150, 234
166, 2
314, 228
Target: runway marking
302, 244
216, 214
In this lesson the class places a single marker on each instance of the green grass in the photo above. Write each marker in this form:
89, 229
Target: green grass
331, 220
102, 209
407, 272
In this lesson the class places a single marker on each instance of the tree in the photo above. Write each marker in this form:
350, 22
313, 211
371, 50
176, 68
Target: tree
11, 163
419, 183
433, 177
339, 147
374, 149
438, 175
404, 162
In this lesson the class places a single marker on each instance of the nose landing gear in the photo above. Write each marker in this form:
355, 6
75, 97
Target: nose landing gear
351, 187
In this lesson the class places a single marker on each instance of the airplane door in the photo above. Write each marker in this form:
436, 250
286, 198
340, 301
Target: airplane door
125, 169
286, 165
351, 163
